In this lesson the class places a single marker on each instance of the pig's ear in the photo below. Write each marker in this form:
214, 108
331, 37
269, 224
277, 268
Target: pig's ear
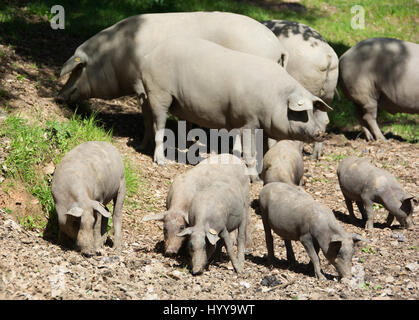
321, 105
299, 103
185, 232
99, 207
356, 237
158, 217
334, 246
407, 206
75, 212
212, 236
71, 64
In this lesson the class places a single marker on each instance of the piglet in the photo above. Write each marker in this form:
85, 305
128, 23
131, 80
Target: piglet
86, 179
222, 167
362, 182
213, 214
283, 162
295, 215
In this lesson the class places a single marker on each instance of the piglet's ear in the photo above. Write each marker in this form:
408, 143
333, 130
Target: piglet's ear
407, 205
75, 212
158, 217
99, 207
356, 237
212, 236
321, 105
185, 232
334, 246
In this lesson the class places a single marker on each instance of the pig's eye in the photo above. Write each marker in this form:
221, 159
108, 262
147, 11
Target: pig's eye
301, 116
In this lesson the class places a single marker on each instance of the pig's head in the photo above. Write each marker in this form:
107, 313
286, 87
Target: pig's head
85, 219
403, 211
201, 246
340, 252
302, 119
77, 86
173, 223
89, 78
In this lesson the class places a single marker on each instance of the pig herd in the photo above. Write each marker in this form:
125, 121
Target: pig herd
227, 71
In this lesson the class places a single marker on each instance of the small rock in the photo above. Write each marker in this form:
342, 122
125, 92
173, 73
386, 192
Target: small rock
270, 281
358, 276
412, 266
176, 274
245, 284
399, 236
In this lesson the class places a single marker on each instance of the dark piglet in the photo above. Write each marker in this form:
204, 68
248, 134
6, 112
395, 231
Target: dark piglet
88, 177
295, 215
362, 182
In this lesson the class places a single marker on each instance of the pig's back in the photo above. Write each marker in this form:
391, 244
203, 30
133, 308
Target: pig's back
288, 209
96, 165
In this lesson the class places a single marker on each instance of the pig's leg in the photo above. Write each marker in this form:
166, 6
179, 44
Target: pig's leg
368, 205
348, 203
370, 116
97, 234
290, 253
269, 240
317, 150
249, 153
237, 147
159, 104
117, 215
359, 113
148, 123
229, 248
307, 242
361, 208
241, 241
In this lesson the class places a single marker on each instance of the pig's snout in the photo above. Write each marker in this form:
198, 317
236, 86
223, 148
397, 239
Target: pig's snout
319, 135
60, 99
197, 272
170, 252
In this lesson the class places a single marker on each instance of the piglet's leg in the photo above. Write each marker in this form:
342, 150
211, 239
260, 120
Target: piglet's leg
307, 242
229, 247
368, 205
361, 208
269, 240
117, 215
290, 252
348, 203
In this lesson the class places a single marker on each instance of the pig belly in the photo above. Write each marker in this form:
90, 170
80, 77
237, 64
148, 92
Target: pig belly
284, 229
203, 116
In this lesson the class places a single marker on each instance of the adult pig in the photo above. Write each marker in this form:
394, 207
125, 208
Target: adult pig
108, 64
380, 73
206, 84
212, 220
311, 61
225, 168
86, 179
295, 215
362, 182
284, 163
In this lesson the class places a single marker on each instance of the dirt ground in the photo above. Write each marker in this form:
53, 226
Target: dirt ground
34, 268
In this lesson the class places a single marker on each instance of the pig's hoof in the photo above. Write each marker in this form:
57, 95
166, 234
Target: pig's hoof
160, 162
321, 277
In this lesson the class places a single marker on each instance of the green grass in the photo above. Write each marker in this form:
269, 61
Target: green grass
33, 146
